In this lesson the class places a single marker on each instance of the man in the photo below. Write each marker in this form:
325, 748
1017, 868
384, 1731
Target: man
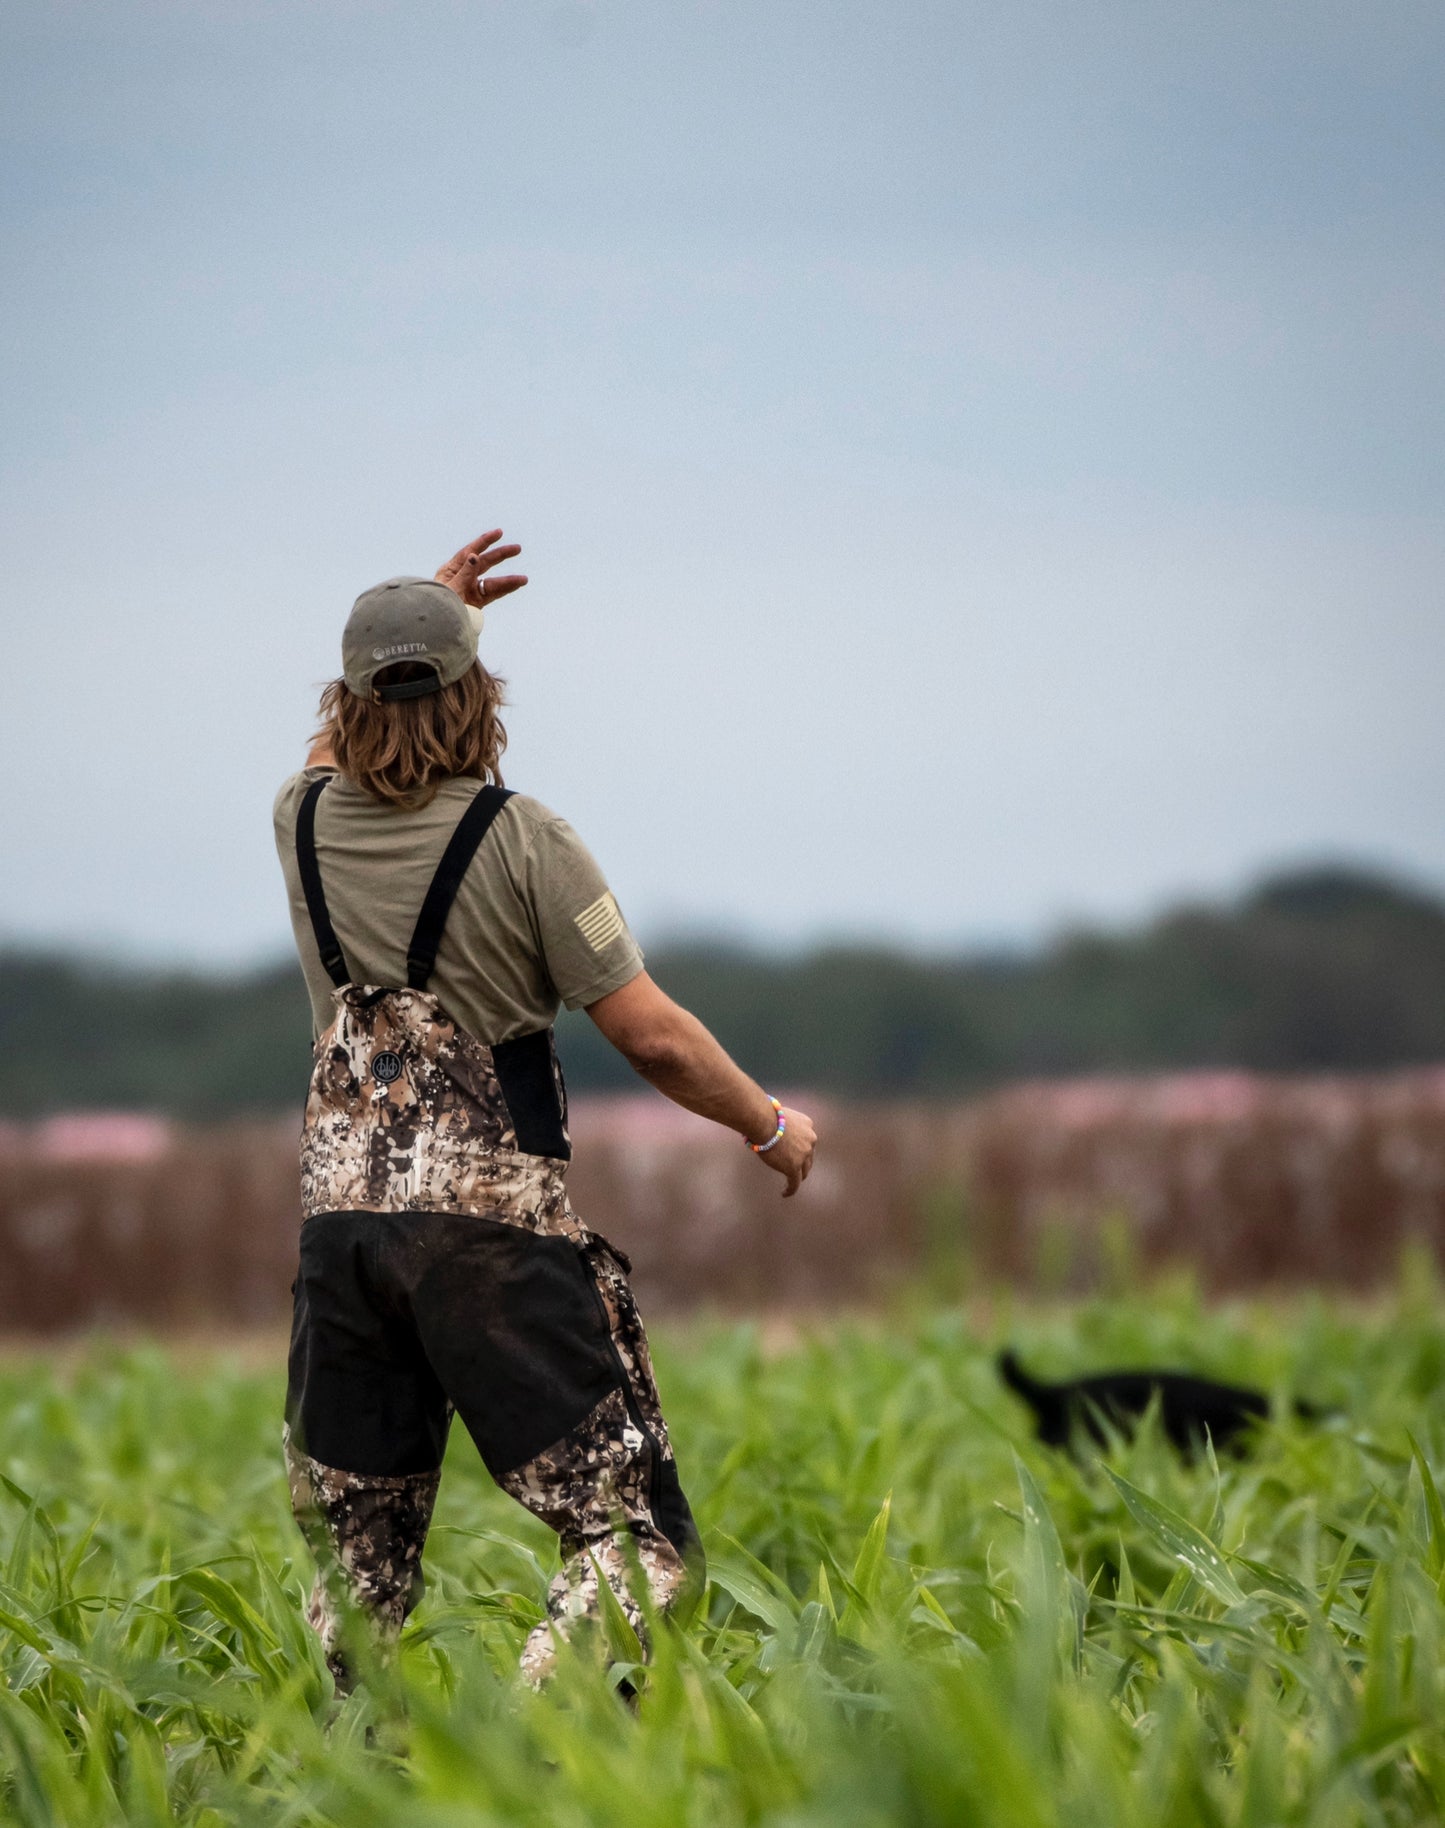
440, 921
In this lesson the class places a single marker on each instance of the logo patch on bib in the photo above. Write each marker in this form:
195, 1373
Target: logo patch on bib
385, 1067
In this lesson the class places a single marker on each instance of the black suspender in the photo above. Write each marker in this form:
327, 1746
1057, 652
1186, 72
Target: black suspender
421, 955
326, 941
472, 827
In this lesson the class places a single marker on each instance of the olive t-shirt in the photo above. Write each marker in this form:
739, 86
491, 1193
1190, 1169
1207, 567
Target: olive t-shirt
533, 924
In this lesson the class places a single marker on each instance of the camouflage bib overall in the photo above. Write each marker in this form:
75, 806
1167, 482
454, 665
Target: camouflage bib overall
444, 1271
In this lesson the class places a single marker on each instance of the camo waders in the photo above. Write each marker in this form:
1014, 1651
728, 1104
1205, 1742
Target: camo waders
443, 1270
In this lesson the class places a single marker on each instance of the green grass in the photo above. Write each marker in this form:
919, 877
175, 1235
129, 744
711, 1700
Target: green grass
916, 1615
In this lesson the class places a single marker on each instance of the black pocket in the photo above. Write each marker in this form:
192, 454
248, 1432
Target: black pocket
530, 1076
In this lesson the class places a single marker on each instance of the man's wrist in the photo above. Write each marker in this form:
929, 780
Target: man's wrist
768, 1129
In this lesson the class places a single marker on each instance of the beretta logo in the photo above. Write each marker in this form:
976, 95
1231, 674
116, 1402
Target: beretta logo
396, 652
386, 1066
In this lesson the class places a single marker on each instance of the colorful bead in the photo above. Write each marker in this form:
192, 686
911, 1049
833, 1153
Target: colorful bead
777, 1135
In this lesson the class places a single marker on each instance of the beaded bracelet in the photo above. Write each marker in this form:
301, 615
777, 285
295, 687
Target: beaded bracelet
777, 1135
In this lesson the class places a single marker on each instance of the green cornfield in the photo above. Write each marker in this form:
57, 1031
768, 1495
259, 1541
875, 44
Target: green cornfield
915, 1614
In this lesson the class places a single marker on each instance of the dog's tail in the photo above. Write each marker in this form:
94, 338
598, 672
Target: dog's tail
1017, 1379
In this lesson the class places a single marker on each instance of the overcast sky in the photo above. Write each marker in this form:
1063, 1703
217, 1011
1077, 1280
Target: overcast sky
978, 465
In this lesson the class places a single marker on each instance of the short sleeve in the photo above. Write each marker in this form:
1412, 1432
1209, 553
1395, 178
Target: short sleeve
588, 949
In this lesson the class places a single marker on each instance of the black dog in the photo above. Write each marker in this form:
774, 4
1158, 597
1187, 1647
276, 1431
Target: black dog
1190, 1408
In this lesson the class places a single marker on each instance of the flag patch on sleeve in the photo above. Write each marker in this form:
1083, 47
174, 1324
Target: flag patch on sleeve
600, 923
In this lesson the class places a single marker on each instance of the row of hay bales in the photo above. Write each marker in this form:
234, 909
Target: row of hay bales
125, 1220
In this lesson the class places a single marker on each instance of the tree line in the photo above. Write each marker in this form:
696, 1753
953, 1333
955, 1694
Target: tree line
1317, 970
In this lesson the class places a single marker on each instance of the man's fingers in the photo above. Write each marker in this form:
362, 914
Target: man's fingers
484, 561
493, 588
796, 1176
464, 553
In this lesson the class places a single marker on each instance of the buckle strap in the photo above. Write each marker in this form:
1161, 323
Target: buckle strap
472, 827
327, 943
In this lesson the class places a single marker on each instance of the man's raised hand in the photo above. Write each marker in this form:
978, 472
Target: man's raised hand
463, 572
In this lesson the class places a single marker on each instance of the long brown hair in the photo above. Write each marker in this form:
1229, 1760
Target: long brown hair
403, 750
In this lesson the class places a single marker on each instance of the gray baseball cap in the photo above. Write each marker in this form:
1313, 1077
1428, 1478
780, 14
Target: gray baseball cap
413, 619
